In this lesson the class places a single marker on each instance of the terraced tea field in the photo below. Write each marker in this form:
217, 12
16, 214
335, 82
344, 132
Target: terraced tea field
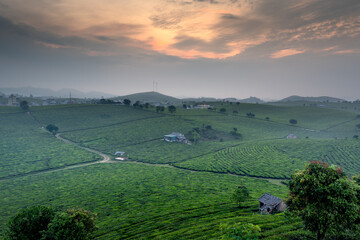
25, 147
167, 190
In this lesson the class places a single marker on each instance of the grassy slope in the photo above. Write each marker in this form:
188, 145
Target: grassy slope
135, 201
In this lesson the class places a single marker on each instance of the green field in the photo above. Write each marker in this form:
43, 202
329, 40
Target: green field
167, 190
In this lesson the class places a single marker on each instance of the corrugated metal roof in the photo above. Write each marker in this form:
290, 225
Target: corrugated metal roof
269, 199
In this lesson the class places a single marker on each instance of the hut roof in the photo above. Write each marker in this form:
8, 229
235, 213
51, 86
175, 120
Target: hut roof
269, 199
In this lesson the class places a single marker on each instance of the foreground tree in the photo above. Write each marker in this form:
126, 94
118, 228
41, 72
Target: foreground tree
240, 195
75, 224
240, 231
29, 223
324, 198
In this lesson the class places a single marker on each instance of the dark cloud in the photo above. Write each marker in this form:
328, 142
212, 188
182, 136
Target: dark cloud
3, 5
167, 20
104, 38
279, 24
115, 29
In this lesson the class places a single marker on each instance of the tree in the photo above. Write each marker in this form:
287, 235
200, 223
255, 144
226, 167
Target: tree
172, 109
24, 105
222, 110
250, 115
358, 126
136, 104
240, 194
29, 223
324, 198
75, 224
127, 102
293, 121
52, 128
184, 106
242, 231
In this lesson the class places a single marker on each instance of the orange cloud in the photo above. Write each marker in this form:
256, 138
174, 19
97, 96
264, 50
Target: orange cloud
285, 53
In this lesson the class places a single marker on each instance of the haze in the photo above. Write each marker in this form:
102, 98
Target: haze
218, 48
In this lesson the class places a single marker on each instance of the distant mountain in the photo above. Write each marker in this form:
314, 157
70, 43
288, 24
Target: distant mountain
150, 97
251, 100
44, 92
201, 99
311, 99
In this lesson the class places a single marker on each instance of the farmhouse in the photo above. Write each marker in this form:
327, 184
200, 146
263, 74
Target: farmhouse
175, 137
202, 106
12, 100
269, 203
120, 155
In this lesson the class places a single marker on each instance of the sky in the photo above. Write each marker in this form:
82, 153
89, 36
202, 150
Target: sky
270, 49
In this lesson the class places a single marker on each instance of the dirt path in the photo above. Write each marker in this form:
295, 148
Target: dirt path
105, 158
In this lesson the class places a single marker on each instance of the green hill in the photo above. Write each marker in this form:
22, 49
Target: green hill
150, 97
311, 99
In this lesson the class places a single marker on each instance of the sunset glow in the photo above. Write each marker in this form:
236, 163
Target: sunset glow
237, 36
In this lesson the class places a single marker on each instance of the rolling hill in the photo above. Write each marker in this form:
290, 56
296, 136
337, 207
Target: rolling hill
150, 97
311, 99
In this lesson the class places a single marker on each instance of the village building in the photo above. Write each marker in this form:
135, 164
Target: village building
291, 136
202, 106
175, 137
269, 204
12, 100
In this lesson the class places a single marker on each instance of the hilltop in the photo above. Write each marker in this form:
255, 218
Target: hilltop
311, 99
150, 97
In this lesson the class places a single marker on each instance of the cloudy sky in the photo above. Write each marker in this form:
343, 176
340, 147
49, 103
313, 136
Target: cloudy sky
220, 48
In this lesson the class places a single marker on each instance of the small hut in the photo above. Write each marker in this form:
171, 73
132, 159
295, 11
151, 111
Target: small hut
120, 155
269, 203
175, 137
291, 136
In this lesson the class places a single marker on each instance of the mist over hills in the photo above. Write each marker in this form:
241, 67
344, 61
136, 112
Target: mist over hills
151, 97
45, 92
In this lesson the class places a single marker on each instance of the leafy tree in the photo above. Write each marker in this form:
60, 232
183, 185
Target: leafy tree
356, 136
242, 231
184, 106
106, 101
358, 126
324, 198
240, 194
75, 224
293, 121
136, 104
250, 115
52, 128
127, 102
267, 119
222, 110
160, 109
172, 109
147, 105
29, 223
24, 105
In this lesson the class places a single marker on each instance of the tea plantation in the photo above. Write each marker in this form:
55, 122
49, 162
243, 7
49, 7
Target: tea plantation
167, 190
